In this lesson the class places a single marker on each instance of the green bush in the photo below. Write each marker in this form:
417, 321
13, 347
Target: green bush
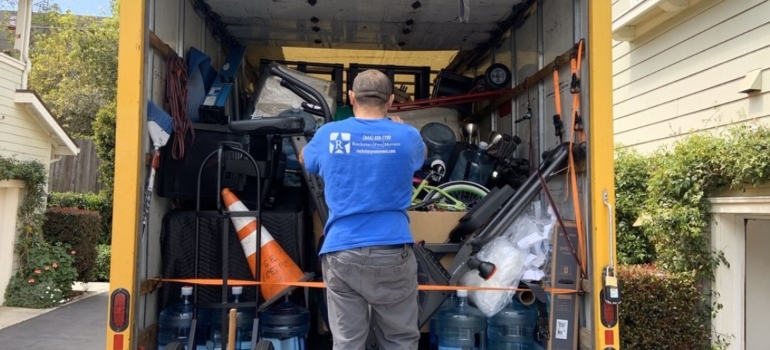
661, 310
87, 201
78, 228
104, 139
47, 279
631, 176
101, 271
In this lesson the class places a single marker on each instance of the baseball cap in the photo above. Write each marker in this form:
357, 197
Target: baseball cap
373, 84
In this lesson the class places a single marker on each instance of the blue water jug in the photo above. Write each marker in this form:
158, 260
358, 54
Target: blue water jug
244, 322
513, 328
175, 322
449, 303
474, 165
463, 327
286, 326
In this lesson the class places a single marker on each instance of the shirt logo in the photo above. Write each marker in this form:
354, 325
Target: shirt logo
339, 143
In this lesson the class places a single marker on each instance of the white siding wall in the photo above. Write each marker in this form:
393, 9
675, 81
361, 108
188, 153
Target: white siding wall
23, 138
20, 135
11, 195
685, 74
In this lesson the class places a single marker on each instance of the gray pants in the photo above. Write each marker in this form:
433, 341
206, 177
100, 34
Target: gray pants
380, 279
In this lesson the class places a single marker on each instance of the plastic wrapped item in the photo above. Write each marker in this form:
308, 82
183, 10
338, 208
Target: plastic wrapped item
531, 235
272, 98
510, 264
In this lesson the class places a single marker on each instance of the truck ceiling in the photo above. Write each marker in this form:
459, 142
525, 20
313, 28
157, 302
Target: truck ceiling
372, 25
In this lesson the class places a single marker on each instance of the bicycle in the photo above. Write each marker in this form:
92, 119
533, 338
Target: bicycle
459, 195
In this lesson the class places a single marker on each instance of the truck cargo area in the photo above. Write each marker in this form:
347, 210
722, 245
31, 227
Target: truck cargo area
513, 76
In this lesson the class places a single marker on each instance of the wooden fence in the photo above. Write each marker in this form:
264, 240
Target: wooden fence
76, 173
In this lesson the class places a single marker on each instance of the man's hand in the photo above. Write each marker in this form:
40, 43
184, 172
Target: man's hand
396, 119
301, 157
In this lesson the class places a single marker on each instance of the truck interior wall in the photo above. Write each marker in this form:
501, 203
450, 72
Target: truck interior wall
551, 30
178, 25
504, 54
485, 124
548, 32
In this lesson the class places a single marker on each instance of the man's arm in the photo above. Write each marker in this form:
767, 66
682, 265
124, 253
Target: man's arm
398, 119
308, 156
421, 152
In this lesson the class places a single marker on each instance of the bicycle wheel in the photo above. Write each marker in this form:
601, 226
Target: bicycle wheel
467, 192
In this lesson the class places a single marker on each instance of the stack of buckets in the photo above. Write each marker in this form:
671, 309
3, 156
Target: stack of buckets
460, 326
286, 326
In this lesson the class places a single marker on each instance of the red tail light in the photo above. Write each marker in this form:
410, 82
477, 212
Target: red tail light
119, 310
609, 313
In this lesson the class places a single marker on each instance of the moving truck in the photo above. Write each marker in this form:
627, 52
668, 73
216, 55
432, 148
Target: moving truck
518, 47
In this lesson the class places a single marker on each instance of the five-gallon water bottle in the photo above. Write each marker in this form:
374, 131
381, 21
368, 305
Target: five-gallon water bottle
473, 165
449, 303
174, 322
244, 321
513, 328
463, 327
286, 326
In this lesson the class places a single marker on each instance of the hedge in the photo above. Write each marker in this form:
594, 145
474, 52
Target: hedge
78, 228
661, 310
101, 271
87, 201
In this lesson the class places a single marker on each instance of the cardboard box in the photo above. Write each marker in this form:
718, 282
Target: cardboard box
431, 227
434, 227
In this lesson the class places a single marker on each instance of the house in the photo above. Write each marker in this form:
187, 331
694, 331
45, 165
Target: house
682, 65
28, 131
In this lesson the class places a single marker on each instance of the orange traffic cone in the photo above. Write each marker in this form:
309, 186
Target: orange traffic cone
275, 265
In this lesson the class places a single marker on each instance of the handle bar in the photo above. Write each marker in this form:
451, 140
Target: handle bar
289, 82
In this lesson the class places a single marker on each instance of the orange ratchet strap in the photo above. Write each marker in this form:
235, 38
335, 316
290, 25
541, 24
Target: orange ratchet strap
425, 287
577, 120
577, 127
558, 124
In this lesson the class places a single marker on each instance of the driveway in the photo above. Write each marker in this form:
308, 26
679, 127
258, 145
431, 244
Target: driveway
77, 326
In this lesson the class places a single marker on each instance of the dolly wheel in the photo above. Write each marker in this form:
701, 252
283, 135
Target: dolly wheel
264, 345
174, 346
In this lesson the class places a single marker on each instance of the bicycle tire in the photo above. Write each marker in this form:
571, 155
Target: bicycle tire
459, 186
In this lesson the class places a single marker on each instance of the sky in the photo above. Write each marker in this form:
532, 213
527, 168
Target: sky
85, 7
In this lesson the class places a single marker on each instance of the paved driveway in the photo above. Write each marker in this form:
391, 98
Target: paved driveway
77, 326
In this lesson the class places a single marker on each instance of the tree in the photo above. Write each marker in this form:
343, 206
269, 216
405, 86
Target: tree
74, 65
38, 5
104, 138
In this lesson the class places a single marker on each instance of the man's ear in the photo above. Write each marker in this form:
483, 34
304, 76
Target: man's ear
390, 100
352, 97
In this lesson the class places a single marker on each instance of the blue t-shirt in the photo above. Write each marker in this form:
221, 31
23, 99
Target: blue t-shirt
367, 166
